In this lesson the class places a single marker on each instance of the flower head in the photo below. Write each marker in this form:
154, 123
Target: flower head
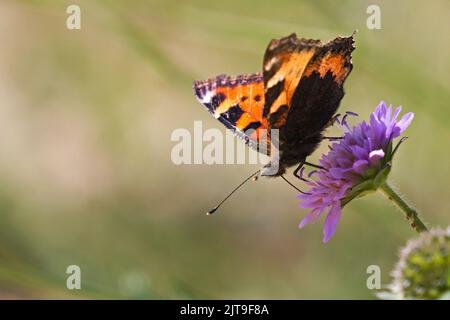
423, 271
356, 164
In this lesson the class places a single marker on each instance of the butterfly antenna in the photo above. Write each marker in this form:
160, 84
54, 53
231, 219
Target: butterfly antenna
235, 189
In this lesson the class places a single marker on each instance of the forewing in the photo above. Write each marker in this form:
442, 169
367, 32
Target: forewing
238, 103
303, 81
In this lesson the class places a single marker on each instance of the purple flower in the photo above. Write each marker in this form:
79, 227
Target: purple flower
356, 164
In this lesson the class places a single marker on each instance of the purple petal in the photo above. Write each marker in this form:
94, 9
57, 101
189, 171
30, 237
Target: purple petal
350, 113
375, 155
338, 173
311, 173
344, 122
312, 216
359, 152
387, 116
405, 121
397, 112
360, 166
380, 110
331, 222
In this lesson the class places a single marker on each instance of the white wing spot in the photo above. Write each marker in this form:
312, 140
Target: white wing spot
207, 97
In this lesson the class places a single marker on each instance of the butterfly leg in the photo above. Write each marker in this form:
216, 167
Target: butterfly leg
331, 123
333, 138
288, 182
301, 165
296, 174
313, 165
333, 120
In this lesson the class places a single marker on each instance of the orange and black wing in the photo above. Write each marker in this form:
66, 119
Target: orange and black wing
303, 82
238, 103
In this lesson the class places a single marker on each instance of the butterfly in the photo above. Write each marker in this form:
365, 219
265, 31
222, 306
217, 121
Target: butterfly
298, 93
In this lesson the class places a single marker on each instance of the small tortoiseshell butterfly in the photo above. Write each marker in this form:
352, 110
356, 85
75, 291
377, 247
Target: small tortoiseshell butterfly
298, 92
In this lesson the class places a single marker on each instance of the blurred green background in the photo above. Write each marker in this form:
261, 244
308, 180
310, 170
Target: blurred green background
85, 170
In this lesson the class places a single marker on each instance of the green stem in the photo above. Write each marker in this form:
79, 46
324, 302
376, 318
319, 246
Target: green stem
411, 213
